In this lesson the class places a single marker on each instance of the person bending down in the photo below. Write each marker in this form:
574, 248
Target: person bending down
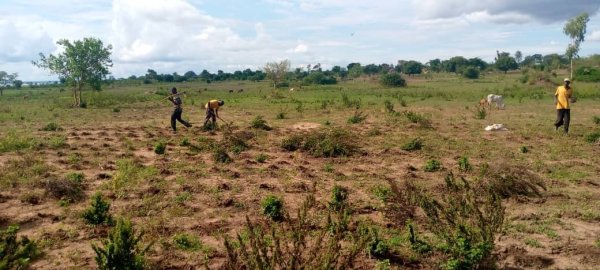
176, 116
212, 111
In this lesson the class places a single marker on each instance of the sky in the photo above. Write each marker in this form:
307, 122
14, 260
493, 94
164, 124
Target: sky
181, 35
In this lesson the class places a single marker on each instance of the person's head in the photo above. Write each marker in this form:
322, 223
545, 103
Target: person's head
567, 82
221, 103
173, 90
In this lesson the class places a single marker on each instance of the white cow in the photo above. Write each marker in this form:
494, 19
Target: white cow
497, 100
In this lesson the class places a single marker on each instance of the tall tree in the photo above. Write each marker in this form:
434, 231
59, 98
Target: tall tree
276, 71
505, 62
83, 63
6, 80
412, 67
575, 28
518, 57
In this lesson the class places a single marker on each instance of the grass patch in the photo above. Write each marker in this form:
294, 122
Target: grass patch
220, 155
413, 145
23, 171
432, 165
464, 165
260, 123
418, 118
129, 174
187, 242
292, 142
160, 148
51, 127
273, 208
593, 137
261, 158
15, 142
357, 118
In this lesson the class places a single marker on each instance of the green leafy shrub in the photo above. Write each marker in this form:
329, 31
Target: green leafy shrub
392, 80
273, 208
292, 143
377, 247
187, 242
593, 137
98, 212
261, 158
121, 250
306, 242
480, 113
357, 118
339, 198
587, 74
160, 148
413, 145
260, 123
464, 165
471, 73
51, 127
16, 253
432, 165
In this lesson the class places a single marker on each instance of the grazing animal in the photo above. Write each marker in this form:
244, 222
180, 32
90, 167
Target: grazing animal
240, 90
230, 91
497, 100
291, 89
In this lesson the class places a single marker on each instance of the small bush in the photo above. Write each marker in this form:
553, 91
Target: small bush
339, 197
377, 247
357, 118
116, 110
69, 190
220, 155
185, 142
333, 142
413, 145
262, 158
471, 73
417, 244
160, 148
593, 137
76, 177
524, 149
280, 115
98, 212
509, 180
389, 106
432, 165
237, 142
187, 242
418, 119
464, 165
51, 127
480, 113
596, 120
16, 253
260, 123
292, 143
210, 126
273, 208
121, 250
392, 80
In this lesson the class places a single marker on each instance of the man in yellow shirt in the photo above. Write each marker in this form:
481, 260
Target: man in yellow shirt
563, 111
212, 111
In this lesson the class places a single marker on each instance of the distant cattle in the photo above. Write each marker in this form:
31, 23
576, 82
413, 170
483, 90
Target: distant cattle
240, 90
497, 100
230, 91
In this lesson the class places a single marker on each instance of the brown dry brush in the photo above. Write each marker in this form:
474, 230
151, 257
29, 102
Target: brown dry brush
512, 180
302, 243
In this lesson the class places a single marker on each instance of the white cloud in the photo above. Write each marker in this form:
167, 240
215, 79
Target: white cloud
22, 41
301, 48
594, 36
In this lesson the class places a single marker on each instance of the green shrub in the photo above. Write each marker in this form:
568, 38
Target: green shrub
121, 250
357, 118
339, 198
417, 244
160, 148
471, 73
596, 120
260, 123
273, 208
187, 242
587, 74
292, 143
418, 118
524, 149
116, 110
98, 212
16, 253
51, 127
220, 155
392, 80
464, 165
432, 165
261, 158
209, 126
480, 113
389, 106
593, 137
185, 142
349, 103
382, 193
413, 145
280, 115
377, 247
76, 177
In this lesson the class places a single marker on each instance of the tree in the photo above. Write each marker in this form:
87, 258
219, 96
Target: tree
412, 67
371, 69
276, 71
471, 73
151, 74
6, 80
455, 64
435, 65
355, 71
83, 63
478, 63
190, 75
518, 57
392, 79
18, 84
505, 62
575, 28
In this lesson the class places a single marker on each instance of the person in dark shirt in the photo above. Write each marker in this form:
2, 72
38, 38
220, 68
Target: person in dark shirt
176, 116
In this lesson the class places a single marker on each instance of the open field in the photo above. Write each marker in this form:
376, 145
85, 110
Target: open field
186, 192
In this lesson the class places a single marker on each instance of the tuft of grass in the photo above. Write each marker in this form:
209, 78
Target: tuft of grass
533, 243
129, 174
187, 242
51, 127
15, 142
116, 110
432, 165
480, 113
273, 208
464, 165
389, 106
280, 115
16, 253
260, 123
68, 189
524, 149
98, 212
185, 142
339, 198
593, 137
160, 148
377, 247
413, 145
418, 118
261, 158
183, 197
26, 170
357, 118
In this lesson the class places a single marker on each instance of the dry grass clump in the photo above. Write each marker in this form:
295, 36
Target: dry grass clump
332, 142
512, 180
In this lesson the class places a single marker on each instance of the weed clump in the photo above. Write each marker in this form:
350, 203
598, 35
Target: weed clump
273, 208
350, 103
418, 118
280, 115
377, 247
160, 148
68, 189
432, 165
121, 250
357, 118
97, 213
524, 149
16, 253
187, 242
261, 158
220, 155
392, 79
413, 145
480, 113
593, 137
509, 180
596, 120
333, 142
339, 198
292, 143
260, 123
237, 142
464, 165
389, 107
51, 127
185, 142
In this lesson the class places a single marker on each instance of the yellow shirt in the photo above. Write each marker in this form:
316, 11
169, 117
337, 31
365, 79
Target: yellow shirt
213, 104
562, 96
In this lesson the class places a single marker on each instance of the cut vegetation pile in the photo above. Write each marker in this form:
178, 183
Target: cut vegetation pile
333, 142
